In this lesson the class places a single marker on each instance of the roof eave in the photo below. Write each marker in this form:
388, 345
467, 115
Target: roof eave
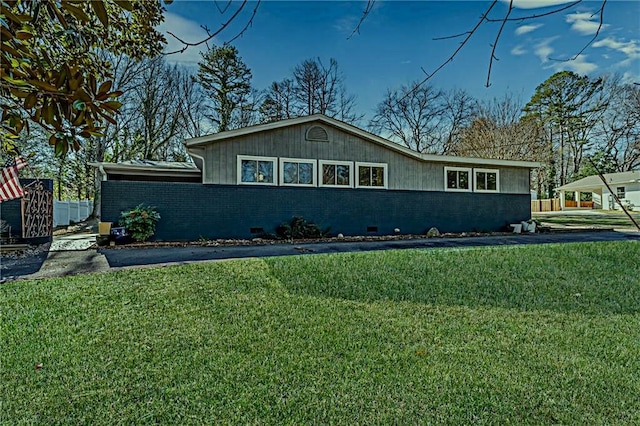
203, 140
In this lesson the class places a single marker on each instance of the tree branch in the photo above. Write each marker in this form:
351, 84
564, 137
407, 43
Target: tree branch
365, 13
495, 43
595, 36
249, 23
222, 27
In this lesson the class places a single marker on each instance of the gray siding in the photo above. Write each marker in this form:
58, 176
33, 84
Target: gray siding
404, 172
191, 211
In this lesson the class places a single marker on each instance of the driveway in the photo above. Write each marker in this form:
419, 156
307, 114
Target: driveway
124, 257
62, 263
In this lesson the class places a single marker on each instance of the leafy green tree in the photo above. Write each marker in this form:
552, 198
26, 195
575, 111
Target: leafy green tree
599, 162
227, 80
50, 71
568, 106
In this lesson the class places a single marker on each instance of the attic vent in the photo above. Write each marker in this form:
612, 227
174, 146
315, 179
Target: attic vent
317, 133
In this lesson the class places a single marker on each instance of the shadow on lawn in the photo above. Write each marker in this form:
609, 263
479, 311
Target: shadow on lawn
546, 280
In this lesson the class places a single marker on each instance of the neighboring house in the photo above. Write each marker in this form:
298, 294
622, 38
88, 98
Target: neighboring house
328, 172
626, 185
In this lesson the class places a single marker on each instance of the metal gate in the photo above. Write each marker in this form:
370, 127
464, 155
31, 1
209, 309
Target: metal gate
37, 210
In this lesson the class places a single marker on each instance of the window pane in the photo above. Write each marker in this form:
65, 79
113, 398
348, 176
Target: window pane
377, 176
481, 178
342, 175
265, 171
305, 173
492, 181
463, 180
290, 172
249, 170
364, 176
620, 191
452, 179
328, 174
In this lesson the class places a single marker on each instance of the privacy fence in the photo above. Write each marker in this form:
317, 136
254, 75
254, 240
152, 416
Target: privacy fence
67, 212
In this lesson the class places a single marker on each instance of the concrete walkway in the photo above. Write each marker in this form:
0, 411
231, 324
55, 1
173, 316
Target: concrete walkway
77, 261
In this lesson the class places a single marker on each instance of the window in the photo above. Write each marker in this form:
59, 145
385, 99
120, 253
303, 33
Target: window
338, 174
620, 192
256, 170
457, 179
371, 175
297, 172
486, 180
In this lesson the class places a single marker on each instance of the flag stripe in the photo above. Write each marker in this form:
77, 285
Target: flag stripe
9, 183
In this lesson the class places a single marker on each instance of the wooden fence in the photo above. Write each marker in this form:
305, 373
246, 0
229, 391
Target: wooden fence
583, 204
550, 205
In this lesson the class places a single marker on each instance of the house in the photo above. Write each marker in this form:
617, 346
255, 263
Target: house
327, 171
626, 185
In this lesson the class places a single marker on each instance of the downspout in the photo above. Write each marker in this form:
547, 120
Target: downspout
201, 158
103, 173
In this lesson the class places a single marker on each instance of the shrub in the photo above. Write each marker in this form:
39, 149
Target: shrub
140, 222
299, 227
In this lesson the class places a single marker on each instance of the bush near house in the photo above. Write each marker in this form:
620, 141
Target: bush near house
140, 222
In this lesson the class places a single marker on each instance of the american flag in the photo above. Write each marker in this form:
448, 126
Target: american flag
9, 184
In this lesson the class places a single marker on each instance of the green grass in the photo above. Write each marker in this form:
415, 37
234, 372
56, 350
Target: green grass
609, 219
533, 334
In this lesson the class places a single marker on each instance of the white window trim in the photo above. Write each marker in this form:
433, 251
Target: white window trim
475, 185
314, 174
624, 190
321, 163
357, 172
459, 169
274, 160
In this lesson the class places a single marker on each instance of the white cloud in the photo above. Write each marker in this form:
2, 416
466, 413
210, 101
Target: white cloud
630, 77
543, 49
631, 48
578, 65
518, 50
584, 23
524, 29
188, 31
533, 4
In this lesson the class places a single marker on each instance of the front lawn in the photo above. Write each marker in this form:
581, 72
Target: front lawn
529, 334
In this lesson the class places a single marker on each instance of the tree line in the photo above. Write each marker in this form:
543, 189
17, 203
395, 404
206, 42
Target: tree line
568, 118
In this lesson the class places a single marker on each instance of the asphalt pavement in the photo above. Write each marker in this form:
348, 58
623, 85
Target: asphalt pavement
124, 257
68, 261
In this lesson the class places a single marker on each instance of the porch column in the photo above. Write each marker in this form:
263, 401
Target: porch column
577, 198
562, 195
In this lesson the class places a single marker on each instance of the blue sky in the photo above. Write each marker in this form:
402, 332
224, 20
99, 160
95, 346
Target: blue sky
396, 43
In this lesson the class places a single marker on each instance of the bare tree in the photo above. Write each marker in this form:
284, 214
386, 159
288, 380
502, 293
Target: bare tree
620, 124
278, 101
422, 118
313, 89
499, 131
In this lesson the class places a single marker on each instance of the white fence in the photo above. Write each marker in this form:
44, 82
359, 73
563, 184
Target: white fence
66, 212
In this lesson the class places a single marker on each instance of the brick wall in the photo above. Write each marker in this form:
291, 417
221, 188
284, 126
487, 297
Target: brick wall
191, 211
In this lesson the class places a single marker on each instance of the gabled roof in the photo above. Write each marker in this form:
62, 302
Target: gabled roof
149, 167
348, 128
594, 182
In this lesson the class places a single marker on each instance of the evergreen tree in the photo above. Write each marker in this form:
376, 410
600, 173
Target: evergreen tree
226, 80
